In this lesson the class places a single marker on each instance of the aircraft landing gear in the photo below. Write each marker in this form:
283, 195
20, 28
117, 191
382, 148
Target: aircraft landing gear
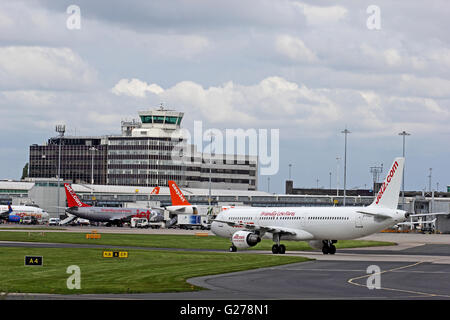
233, 248
328, 247
277, 247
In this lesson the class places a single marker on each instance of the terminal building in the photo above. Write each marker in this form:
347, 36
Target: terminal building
44, 193
148, 152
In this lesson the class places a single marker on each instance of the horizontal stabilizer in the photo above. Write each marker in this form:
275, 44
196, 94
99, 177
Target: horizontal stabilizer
376, 215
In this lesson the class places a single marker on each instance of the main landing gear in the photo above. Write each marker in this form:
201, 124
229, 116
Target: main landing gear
328, 247
278, 248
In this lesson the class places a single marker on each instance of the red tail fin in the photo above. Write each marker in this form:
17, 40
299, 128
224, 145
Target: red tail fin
176, 195
155, 190
72, 198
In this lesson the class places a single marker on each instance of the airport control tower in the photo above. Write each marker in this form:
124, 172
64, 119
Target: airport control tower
158, 123
143, 156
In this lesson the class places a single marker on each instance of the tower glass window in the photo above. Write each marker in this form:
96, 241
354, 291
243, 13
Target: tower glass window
158, 119
171, 120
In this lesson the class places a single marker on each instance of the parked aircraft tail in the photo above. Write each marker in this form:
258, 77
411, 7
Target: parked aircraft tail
72, 198
176, 195
388, 194
155, 190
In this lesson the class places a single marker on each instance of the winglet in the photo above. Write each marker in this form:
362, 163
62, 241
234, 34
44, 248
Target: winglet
72, 198
388, 194
176, 195
9, 208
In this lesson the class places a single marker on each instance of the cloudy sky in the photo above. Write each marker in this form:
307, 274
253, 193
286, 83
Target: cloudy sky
307, 68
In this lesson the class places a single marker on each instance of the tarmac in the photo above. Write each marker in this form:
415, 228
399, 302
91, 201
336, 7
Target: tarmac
418, 267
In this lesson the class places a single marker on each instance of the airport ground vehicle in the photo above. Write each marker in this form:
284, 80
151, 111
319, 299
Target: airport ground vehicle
29, 220
54, 221
193, 221
139, 223
82, 222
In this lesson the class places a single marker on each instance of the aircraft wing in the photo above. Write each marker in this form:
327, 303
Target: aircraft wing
251, 226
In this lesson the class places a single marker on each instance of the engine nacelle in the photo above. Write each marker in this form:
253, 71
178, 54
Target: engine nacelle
245, 239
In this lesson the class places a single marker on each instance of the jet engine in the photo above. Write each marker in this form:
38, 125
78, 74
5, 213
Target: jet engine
245, 239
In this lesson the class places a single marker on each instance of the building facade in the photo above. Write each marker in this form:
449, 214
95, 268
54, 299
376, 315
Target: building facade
82, 159
149, 152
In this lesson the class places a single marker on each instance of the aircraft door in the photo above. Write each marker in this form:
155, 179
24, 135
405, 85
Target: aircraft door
358, 221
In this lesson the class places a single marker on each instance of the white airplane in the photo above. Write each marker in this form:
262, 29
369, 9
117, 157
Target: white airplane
321, 227
16, 213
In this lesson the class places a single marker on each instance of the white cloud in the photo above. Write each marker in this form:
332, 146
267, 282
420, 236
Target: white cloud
44, 68
392, 57
135, 88
275, 102
294, 48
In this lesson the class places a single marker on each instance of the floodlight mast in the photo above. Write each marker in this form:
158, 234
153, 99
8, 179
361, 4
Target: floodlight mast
404, 134
93, 149
345, 132
61, 129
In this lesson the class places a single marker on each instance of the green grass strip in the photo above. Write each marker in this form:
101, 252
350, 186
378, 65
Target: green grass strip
166, 241
142, 272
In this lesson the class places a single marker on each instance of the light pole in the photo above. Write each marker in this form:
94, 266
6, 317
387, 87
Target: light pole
210, 164
404, 134
330, 180
429, 180
60, 128
345, 162
92, 164
337, 176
